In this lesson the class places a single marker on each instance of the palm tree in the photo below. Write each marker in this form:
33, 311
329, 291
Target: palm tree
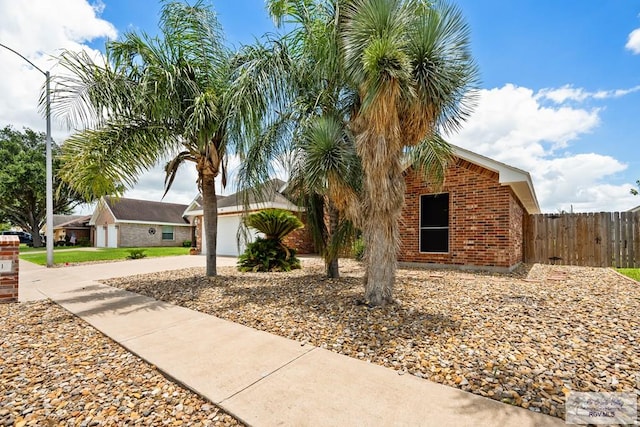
314, 103
411, 64
152, 98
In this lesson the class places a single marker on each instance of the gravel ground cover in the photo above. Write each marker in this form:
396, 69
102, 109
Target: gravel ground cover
525, 338
57, 370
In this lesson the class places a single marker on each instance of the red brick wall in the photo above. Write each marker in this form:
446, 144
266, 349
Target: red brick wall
9, 251
301, 240
485, 219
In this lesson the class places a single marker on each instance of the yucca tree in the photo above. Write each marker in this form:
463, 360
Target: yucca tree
411, 63
326, 175
176, 96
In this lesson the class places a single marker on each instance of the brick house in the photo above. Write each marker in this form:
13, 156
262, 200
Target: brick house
230, 213
474, 221
65, 226
126, 223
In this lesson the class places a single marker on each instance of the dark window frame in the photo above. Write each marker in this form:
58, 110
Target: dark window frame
437, 230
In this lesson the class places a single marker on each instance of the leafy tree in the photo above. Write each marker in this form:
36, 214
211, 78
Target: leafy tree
270, 253
635, 191
179, 96
23, 182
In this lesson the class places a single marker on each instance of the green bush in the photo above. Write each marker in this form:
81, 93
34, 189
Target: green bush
84, 242
136, 254
267, 255
186, 244
358, 249
270, 253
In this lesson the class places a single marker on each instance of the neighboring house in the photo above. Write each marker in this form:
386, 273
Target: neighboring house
120, 222
476, 220
636, 209
230, 212
72, 225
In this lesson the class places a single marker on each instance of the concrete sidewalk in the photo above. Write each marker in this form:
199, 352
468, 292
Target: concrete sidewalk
259, 378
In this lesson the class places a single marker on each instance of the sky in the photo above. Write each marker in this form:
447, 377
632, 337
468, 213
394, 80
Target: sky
559, 96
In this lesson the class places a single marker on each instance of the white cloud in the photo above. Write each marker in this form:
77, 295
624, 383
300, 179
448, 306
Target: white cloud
511, 125
570, 93
633, 43
38, 30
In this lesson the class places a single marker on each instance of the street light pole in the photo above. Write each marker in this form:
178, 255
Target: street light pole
49, 166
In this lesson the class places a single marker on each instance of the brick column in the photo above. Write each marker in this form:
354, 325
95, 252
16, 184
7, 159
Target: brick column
9, 268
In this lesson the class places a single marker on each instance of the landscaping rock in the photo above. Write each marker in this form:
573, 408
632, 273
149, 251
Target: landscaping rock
526, 338
57, 370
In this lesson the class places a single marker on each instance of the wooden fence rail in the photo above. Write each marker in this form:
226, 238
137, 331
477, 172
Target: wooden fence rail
603, 239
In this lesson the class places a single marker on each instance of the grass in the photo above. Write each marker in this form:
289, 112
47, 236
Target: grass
28, 249
634, 273
63, 255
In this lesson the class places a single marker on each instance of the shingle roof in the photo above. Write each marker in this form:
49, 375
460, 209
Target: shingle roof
271, 194
63, 219
145, 210
75, 222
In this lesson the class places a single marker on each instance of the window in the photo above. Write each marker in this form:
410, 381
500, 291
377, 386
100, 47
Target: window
167, 232
434, 223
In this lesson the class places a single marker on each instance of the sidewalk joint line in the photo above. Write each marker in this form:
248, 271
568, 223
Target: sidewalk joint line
268, 375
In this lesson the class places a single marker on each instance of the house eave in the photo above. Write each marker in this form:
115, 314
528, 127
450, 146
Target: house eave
519, 180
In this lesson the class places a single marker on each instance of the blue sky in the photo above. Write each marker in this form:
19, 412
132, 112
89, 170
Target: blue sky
560, 94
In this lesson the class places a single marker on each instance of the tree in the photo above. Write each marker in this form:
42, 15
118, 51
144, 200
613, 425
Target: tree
402, 75
635, 191
177, 95
22, 182
314, 105
411, 64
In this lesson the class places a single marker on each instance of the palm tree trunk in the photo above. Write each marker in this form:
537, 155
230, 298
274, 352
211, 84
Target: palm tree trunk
383, 199
210, 211
333, 271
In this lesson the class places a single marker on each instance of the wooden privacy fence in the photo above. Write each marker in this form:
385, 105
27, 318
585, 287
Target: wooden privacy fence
604, 239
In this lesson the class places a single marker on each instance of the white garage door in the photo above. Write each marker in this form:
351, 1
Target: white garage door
227, 243
112, 236
227, 233
100, 236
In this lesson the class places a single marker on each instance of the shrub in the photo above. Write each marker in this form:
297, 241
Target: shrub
84, 242
136, 254
267, 255
186, 244
358, 249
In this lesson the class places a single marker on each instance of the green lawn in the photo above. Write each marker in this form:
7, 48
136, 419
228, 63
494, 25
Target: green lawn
634, 273
28, 249
63, 255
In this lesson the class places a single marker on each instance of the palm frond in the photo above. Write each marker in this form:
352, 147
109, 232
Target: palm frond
430, 158
172, 167
274, 223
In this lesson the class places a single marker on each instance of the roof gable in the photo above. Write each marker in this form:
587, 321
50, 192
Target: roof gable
519, 180
271, 197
